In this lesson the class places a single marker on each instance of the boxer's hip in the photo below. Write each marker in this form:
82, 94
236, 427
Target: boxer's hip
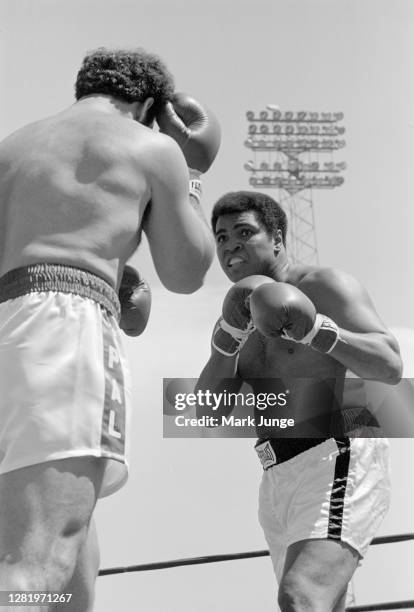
64, 380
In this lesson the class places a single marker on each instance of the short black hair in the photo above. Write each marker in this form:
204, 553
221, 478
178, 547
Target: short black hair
131, 75
270, 214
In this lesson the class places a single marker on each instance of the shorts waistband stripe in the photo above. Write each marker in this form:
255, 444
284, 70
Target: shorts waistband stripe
61, 278
272, 451
337, 501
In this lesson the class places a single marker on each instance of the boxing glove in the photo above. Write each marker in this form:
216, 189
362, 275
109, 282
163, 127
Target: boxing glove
235, 325
135, 298
283, 310
194, 128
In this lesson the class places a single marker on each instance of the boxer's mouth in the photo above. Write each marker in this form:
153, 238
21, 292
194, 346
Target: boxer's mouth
235, 261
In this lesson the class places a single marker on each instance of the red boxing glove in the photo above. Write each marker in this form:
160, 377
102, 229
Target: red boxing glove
283, 310
194, 128
135, 298
235, 326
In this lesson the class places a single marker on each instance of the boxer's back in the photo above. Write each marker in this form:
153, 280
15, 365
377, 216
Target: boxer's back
73, 190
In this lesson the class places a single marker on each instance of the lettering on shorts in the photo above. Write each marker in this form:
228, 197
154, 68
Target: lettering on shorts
113, 419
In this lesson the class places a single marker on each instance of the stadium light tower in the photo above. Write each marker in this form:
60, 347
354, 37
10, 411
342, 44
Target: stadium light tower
293, 152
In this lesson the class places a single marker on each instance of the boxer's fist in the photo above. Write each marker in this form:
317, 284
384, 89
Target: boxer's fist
282, 309
193, 127
235, 325
135, 298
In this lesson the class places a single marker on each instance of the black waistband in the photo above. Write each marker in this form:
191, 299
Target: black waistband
287, 448
60, 278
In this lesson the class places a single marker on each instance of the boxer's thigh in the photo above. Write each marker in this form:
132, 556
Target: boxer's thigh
318, 571
81, 588
45, 512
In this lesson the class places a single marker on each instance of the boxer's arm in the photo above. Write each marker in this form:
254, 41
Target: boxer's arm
218, 375
181, 243
365, 345
230, 333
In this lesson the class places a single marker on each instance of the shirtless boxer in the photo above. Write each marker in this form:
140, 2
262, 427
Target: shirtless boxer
305, 324
76, 191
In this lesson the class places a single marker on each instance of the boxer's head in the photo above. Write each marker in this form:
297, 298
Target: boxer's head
250, 230
129, 75
267, 211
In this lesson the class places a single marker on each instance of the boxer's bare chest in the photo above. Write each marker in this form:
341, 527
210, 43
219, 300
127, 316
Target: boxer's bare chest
313, 381
278, 358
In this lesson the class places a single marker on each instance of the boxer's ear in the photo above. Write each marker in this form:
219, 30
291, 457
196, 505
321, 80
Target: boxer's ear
278, 241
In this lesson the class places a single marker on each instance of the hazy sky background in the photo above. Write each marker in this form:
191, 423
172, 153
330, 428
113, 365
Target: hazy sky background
197, 497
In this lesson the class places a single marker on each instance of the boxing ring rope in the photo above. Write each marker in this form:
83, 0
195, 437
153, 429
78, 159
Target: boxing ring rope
391, 605
187, 561
396, 605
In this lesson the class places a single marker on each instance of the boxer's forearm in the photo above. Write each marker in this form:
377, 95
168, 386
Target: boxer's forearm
218, 375
181, 242
217, 368
374, 356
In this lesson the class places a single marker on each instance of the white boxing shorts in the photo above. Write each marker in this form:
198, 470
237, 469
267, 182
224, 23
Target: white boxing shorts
64, 381
337, 490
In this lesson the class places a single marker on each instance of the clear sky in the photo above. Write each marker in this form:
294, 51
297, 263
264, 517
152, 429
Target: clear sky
196, 497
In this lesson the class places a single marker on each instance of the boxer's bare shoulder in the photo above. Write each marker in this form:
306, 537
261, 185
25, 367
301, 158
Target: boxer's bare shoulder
331, 290
309, 276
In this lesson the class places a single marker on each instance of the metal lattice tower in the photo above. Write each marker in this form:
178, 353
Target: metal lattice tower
293, 152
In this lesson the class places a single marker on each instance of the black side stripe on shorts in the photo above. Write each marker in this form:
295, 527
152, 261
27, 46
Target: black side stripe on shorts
336, 506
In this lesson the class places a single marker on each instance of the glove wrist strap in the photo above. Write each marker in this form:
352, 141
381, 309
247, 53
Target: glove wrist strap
195, 184
324, 334
194, 174
237, 338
